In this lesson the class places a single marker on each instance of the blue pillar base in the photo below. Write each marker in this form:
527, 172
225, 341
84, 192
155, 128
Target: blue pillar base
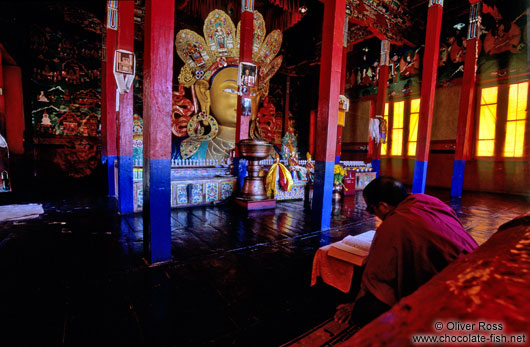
376, 164
240, 168
420, 177
458, 178
157, 209
108, 161
125, 184
322, 191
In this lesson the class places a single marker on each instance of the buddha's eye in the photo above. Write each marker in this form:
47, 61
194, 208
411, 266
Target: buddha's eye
230, 90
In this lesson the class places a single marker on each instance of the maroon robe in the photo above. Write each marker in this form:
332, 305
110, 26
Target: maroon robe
415, 241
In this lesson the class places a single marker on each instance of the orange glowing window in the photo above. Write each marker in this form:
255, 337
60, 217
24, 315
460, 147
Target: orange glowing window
397, 128
384, 145
516, 120
487, 120
413, 127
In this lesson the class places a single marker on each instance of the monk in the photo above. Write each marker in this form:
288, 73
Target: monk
418, 238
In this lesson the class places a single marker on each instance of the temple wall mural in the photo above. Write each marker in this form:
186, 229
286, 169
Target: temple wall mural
502, 53
66, 92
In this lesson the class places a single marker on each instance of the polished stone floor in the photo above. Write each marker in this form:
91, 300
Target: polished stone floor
76, 276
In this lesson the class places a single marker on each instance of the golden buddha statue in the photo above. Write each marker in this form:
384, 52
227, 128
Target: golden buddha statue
211, 67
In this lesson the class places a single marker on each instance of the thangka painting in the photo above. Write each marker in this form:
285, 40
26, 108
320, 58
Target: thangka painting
66, 91
66, 77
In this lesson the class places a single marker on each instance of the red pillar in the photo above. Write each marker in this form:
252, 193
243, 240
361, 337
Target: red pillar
466, 114
11, 103
14, 108
428, 87
342, 88
2, 98
108, 101
158, 80
328, 109
382, 84
245, 55
312, 122
125, 113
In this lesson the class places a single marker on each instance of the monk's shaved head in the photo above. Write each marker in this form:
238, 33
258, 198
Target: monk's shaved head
385, 189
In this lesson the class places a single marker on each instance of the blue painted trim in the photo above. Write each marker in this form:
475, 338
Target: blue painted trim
125, 184
157, 209
322, 191
109, 163
458, 178
420, 177
241, 165
376, 166
337, 159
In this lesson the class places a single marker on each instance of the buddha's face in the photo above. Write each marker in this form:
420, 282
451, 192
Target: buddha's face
223, 96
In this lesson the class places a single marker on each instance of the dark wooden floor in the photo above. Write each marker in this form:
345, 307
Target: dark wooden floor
76, 276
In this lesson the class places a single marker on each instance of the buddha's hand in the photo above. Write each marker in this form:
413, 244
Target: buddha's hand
343, 313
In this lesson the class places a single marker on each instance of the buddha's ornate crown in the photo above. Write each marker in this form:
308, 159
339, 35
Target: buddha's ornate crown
220, 47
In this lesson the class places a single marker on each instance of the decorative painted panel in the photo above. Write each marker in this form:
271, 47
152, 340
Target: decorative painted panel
297, 192
191, 192
227, 189
212, 191
173, 194
139, 194
196, 193
182, 194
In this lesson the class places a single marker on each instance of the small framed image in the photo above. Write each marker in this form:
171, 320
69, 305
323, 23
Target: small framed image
124, 70
246, 107
124, 62
247, 75
344, 103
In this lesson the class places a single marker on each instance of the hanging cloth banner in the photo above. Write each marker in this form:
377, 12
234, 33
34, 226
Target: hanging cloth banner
373, 129
247, 5
112, 14
124, 69
285, 178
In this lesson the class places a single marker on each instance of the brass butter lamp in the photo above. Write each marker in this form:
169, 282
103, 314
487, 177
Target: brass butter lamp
253, 150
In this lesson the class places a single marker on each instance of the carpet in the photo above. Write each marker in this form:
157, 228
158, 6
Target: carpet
19, 212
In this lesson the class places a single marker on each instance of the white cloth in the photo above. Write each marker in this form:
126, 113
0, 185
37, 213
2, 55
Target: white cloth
373, 130
18, 212
3, 142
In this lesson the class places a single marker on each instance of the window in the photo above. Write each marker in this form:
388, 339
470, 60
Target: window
397, 128
487, 119
413, 126
516, 120
384, 145
397, 134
